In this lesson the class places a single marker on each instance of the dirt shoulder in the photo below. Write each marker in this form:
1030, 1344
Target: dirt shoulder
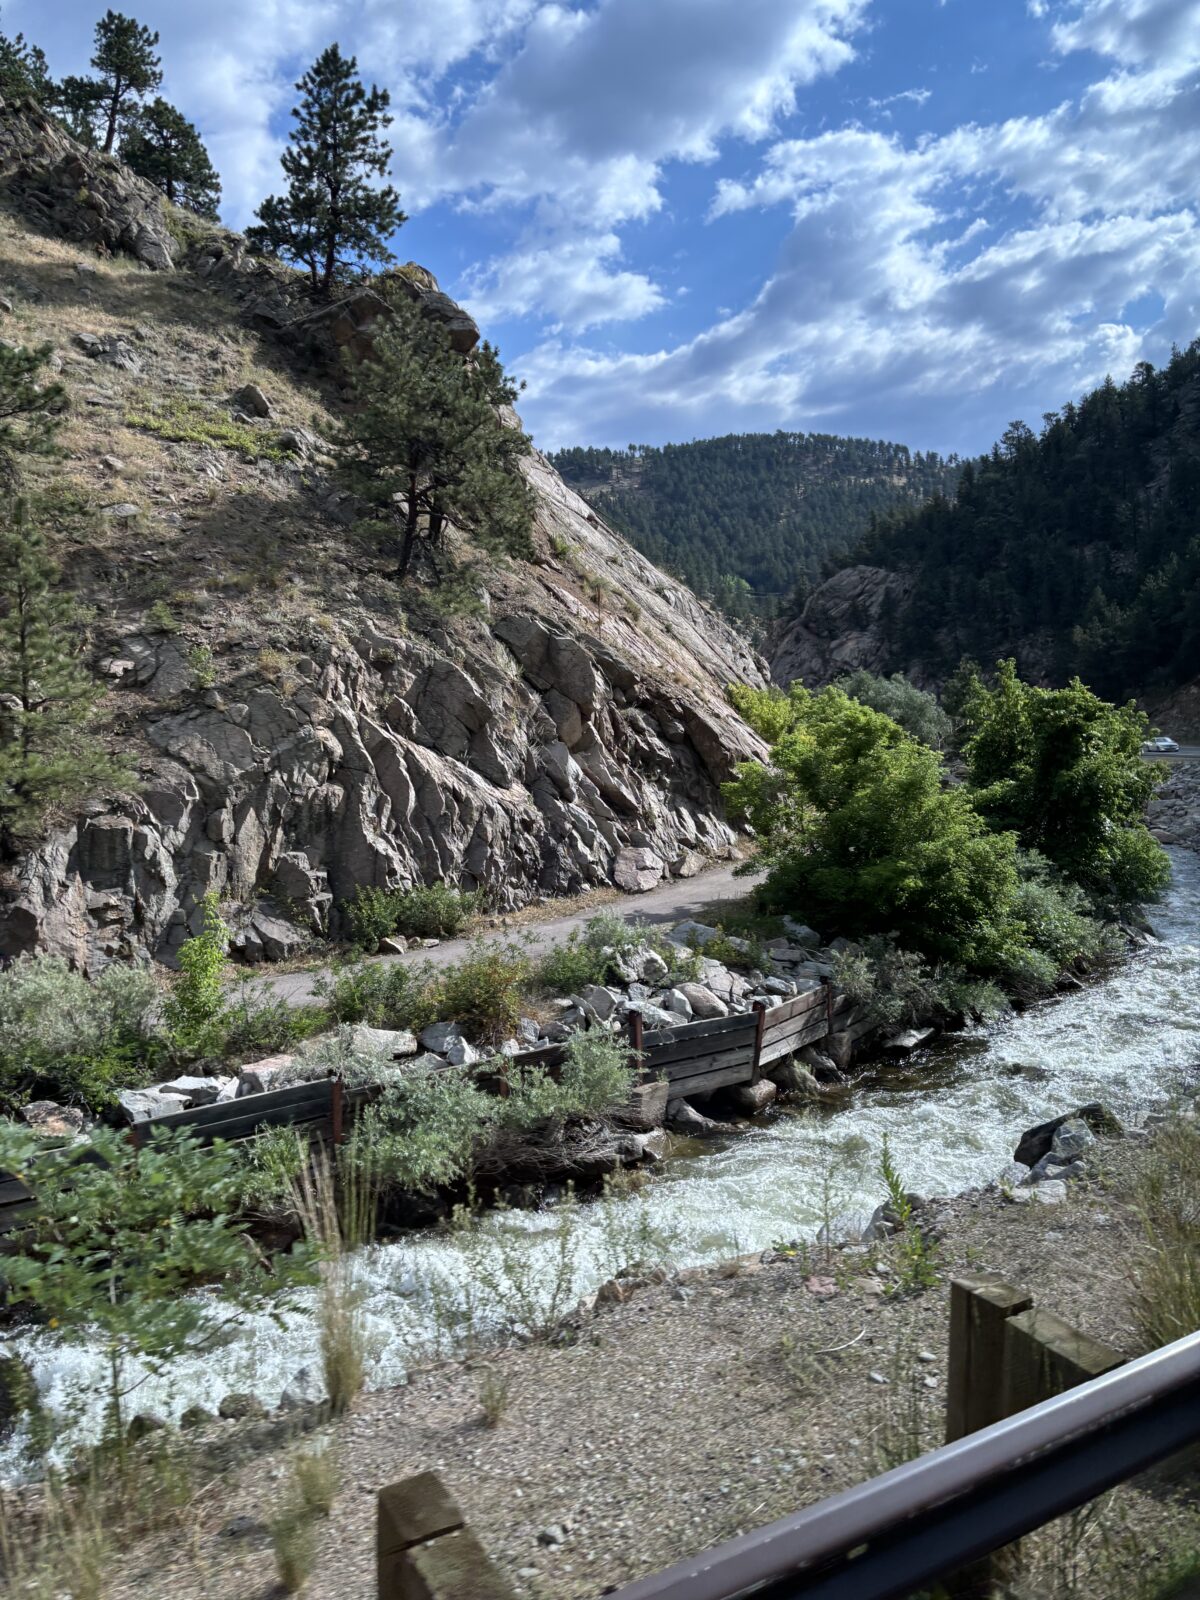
695, 1410
539, 928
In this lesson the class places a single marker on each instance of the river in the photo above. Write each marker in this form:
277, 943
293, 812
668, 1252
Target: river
952, 1116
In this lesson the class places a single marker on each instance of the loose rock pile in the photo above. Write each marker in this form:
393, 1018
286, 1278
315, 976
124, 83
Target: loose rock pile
1174, 812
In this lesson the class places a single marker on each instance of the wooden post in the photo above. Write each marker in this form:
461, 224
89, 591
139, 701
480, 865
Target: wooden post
760, 1024
980, 1305
828, 987
336, 1111
424, 1549
1043, 1356
636, 1037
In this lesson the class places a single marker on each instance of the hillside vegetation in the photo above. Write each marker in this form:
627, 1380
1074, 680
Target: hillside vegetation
1078, 546
747, 518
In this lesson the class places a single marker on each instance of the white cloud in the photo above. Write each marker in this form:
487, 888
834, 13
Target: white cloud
900, 292
573, 281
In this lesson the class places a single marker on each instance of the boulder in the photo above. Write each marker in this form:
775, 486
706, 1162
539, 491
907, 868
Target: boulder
751, 1098
196, 1417
602, 1002
794, 1080
143, 1105
439, 1036
236, 1407
676, 1000
304, 1389
646, 1107
704, 1003
1038, 1141
908, 1040
258, 1077
49, 1120
144, 1424
682, 1117
250, 399
696, 934
1071, 1139
637, 869
391, 1042
460, 1053
653, 1016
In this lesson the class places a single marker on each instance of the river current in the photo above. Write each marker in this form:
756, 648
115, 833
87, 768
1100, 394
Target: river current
952, 1116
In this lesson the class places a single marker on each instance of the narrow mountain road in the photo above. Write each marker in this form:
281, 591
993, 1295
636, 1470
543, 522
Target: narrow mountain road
673, 902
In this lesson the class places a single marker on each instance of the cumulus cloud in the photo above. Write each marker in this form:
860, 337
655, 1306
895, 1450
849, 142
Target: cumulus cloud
942, 276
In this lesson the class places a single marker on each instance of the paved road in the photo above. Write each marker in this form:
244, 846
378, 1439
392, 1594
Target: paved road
1186, 752
671, 903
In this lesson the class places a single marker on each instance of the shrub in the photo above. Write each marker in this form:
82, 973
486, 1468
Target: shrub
271, 1167
483, 992
898, 987
1062, 769
382, 994
371, 915
433, 912
260, 1023
117, 1240
916, 711
569, 966
68, 1039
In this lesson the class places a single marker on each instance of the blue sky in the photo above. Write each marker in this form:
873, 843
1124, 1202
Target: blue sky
915, 219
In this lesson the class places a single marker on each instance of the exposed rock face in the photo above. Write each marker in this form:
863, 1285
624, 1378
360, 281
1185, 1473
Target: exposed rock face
79, 194
553, 744
839, 629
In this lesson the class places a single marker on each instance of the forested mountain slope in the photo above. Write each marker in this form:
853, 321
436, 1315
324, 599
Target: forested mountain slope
746, 517
1077, 549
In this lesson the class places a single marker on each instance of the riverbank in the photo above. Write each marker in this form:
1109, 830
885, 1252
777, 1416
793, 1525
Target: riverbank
1174, 811
700, 1407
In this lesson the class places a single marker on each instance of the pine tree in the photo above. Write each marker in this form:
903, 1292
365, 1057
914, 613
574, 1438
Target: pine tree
332, 219
128, 68
29, 408
163, 146
48, 756
423, 430
24, 73
79, 103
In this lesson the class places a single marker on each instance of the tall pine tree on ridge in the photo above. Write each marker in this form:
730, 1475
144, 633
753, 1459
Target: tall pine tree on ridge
332, 219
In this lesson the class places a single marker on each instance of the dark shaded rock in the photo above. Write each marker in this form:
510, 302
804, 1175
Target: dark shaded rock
1038, 1142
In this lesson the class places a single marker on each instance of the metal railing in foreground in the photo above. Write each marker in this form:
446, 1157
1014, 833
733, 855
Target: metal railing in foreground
889, 1536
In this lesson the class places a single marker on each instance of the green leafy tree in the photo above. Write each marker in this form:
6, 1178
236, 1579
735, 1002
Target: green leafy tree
333, 217
49, 756
859, 832
1062, 769
127, 66
24, 73
423, 433
120, 1235
194, 1008
916, 711
163, 146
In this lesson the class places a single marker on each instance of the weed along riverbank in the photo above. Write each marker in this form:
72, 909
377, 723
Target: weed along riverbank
951, 1114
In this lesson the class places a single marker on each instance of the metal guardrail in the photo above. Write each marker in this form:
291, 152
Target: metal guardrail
889, 1536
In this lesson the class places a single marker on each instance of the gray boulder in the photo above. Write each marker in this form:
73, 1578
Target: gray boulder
439, 1036
391, 1042
751, 1098
143, 1105
258, 1077
250, 399
704, 1003
49, 1120
1038, 1141
197, 1091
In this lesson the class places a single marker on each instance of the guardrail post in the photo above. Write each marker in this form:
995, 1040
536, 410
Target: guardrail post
980, 1305
1043, 1356
636, 1038
760, 1024
424, 1549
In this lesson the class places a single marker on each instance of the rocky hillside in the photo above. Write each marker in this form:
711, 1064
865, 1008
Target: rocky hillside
300, 724
840, 629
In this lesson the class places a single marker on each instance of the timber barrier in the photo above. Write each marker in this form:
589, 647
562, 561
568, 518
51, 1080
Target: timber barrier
1087, 1422
695, 1058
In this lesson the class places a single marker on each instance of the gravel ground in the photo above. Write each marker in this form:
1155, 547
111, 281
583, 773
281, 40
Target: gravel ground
693, 1411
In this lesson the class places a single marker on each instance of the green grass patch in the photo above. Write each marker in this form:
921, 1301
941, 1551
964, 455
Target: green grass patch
189, 422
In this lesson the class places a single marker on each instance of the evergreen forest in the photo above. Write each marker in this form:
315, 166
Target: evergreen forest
1077, 548
748, 520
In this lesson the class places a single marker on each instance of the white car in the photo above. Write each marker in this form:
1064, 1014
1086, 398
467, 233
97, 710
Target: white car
1162, 746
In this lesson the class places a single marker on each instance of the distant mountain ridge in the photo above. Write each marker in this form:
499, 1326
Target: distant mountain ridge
746, 517
1077, 550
